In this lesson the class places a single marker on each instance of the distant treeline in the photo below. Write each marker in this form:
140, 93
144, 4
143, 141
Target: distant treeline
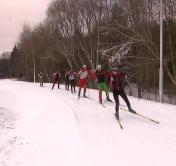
77, 32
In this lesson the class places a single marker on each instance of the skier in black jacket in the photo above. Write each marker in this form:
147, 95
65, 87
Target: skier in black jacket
67, 82
72, 77
41, 75
118, 81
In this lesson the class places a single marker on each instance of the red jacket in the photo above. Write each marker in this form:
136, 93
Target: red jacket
83, 73
56, 77
117, 81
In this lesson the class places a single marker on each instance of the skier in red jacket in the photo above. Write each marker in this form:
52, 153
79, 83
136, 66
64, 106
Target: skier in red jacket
56, 79
83, 74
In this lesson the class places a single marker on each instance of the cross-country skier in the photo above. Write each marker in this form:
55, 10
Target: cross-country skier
67, 83
1, 76
118, 80
83, 73
72, 77
100, 77
56, 79
41, 75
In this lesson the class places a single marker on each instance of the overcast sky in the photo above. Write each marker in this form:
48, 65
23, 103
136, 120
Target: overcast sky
13, 15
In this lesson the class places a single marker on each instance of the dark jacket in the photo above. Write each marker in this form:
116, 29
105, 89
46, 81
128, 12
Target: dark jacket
100, 75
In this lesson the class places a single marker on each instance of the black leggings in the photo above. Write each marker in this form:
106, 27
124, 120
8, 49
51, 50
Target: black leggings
67, 83
41, 83
72, 82
116, 98
55, 83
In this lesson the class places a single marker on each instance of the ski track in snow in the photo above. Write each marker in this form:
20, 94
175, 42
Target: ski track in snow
40, 126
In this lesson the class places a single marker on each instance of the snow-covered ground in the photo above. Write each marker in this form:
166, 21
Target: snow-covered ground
40, 127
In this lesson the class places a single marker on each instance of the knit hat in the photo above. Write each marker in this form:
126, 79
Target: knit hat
114, 68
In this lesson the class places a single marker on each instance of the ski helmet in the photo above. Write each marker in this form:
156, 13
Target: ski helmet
99, 67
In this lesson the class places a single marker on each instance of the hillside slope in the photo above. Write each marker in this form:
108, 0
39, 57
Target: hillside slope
40, 127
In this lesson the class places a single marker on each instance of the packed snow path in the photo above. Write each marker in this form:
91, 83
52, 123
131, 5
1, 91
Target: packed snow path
40, 127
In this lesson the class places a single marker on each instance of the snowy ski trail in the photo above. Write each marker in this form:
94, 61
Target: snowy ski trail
43, 127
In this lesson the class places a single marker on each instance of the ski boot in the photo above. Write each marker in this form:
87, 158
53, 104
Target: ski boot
132, 111
100, 101
84, 96
79, 95
108, 99
117, 115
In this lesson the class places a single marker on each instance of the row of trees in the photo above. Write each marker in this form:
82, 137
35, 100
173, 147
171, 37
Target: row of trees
4, 64
92, 32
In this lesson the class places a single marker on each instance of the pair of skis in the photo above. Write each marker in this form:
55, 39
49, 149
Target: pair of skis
137, 114
85, 97
91, 99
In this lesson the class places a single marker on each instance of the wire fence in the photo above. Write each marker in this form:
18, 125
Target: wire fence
152, 95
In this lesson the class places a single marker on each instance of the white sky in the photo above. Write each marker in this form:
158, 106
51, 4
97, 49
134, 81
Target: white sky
13, 14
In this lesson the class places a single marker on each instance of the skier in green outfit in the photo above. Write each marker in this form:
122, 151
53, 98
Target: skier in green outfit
100, 77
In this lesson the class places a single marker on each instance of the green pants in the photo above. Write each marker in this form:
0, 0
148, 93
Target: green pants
102, 87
